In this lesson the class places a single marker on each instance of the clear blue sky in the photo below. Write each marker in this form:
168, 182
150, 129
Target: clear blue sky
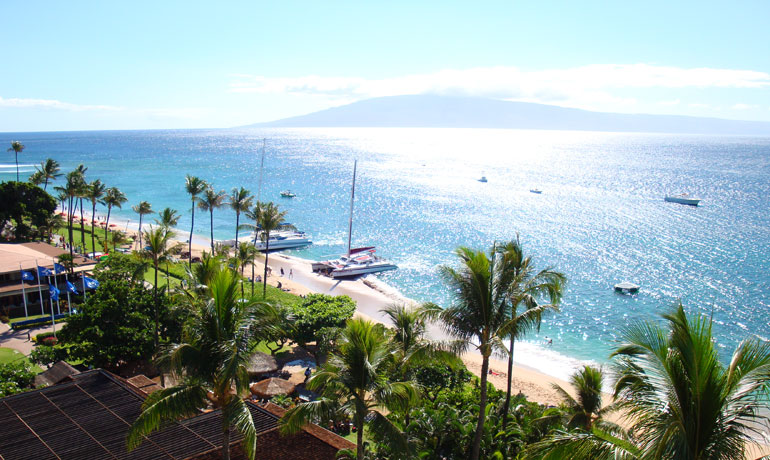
188, 64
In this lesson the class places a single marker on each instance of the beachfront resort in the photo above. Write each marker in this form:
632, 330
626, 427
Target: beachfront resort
153, 343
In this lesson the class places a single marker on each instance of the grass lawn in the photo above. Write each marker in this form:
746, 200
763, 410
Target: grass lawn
149, 276
261, 346
76, 236
9, 355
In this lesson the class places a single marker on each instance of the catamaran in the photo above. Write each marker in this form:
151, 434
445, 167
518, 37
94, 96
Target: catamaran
357, 261
682, 199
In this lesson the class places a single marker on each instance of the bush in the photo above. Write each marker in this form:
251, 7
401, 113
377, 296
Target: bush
4, 319
320, 311
50, 341
42, 336
14, 378
42, 355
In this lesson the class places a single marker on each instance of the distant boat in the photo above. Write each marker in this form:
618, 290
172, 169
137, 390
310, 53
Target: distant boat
483, 179
627, 288
682, 199
288, 194
536, 190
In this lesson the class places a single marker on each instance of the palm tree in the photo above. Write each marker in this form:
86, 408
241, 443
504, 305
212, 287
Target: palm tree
48, 170
168, 219
526, 286
410, 345
50, 225
585, 410
253, 214
143, 208
70, 191
113, 240
81, 192
16, 147
113, 197
354, 381
157, 251
36, 178
210, 201
246, 255
680, 401
240, 201
270, 218
211, 366
95, 193
194, 186
479, 316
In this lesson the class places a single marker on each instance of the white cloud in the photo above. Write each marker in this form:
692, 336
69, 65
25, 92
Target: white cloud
698, 106
51, 104
744, 106
670, 103
585, 86
27, 103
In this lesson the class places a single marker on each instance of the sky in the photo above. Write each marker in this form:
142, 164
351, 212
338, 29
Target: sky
92, 65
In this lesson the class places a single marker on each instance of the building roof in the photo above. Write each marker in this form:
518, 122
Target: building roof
89, 416
29, 254
59, 372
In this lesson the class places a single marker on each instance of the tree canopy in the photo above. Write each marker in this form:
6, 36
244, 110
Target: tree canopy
320, 311
25, 206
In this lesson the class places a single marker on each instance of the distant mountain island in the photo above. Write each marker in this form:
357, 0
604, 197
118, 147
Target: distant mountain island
428, 111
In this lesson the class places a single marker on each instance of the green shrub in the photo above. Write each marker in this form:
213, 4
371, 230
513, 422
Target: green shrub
4, 319
15, 378
42, 336
50, 341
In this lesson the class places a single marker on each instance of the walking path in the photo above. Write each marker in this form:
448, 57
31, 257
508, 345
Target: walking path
18, 340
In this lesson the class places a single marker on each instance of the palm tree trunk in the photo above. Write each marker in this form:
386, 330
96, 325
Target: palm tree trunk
252, 277
507, 404
189, 242
82, 227
107, 223
211, 212
264, 279
237, 222
482, 410
360, 439
69, 221
155, 301
140, 232
93, 229
17, 166
168, 284
45, 185
226, 444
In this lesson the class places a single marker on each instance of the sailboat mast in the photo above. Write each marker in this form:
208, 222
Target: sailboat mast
261, 167
352, 197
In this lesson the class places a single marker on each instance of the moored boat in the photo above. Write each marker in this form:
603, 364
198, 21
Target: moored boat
682, 199
536, 190
288, 194
627, 288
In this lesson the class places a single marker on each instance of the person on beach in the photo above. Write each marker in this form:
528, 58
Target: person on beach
291, 273
281, 271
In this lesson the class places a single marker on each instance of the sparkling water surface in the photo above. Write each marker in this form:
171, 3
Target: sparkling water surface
601, 218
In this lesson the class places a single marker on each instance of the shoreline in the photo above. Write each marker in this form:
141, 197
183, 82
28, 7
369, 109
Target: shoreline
535, 368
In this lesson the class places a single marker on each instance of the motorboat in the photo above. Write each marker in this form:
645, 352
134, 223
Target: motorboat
361, 261
483, 179
536, 190
288, 194
682, 199
283, 239
357, 261
627, 288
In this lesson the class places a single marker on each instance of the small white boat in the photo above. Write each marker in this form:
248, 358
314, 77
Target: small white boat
536, 190
283, 240
288, 194
483, 179
682, 199
627, 288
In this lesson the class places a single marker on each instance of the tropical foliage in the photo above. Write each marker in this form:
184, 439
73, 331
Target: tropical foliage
27, 207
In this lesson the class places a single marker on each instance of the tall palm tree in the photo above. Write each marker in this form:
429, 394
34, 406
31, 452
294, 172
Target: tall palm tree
240, 201
354, 381
211, 366
95, 193
479, 316
113, 198
194, 187
246, 255
270, 218
410, 345
680, 401
526, 286
81, 191
157, 251
253, 214
169, 218
210, 201
70, 191
36, 178
16, 147
48, 171
143, 208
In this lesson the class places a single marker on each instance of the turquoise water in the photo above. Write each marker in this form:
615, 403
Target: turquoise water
601, 217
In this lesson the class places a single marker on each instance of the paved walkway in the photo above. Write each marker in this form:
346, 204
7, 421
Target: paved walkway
17, 340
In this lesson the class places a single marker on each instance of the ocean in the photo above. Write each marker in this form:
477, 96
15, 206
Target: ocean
600, 219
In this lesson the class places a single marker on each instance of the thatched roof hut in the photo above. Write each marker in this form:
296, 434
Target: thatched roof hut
272, 387
262, 363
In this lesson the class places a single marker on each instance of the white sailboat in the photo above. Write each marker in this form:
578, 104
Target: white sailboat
357, 261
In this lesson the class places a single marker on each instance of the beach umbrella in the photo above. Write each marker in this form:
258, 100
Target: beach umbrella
262, 363
272, 387
113, 225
